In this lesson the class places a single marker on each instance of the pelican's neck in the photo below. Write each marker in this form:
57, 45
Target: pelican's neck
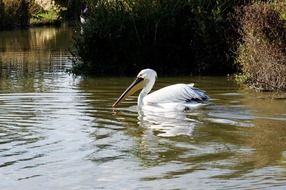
144, 92
140, 99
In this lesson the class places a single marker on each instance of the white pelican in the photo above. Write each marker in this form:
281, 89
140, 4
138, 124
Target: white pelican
178, 96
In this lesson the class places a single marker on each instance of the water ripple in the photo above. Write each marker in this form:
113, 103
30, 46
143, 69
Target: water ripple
60, 132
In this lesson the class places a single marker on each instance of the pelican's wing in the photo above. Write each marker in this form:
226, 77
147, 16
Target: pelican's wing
178, 93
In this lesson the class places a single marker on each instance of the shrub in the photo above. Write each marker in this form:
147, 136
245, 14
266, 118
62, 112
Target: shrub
14, 13
23, 13
173, 37
262, 53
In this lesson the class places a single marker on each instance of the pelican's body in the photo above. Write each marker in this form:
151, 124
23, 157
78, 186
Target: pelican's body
178, 96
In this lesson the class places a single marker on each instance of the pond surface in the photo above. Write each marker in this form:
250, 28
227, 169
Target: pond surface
60, 132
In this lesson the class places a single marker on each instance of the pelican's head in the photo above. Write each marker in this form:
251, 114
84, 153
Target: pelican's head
144, 80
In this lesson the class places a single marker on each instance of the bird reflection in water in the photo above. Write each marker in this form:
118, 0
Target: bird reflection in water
167, 124
164, 123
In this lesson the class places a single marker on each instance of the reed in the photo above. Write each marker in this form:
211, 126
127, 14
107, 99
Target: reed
173, 37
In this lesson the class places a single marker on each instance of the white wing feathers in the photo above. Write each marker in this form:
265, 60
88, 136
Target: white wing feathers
180, 93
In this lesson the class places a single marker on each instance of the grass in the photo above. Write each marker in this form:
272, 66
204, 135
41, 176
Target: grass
45, 17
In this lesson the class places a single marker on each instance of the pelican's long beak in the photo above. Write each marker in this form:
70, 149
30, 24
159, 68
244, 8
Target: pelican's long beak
137, 84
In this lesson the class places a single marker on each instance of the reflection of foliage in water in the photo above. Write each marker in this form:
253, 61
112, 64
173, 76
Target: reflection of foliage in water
25, 54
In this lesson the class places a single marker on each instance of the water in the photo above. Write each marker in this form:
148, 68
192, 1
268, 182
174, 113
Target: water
60, 132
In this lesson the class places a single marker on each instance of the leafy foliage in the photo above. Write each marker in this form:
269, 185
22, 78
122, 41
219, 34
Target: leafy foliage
262, 53
173, 37
14, 13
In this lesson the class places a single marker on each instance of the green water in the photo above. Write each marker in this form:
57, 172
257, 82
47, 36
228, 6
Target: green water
60, 132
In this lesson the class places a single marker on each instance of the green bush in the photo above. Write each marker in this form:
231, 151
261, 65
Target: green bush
173, 37
14, 13
23, 13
